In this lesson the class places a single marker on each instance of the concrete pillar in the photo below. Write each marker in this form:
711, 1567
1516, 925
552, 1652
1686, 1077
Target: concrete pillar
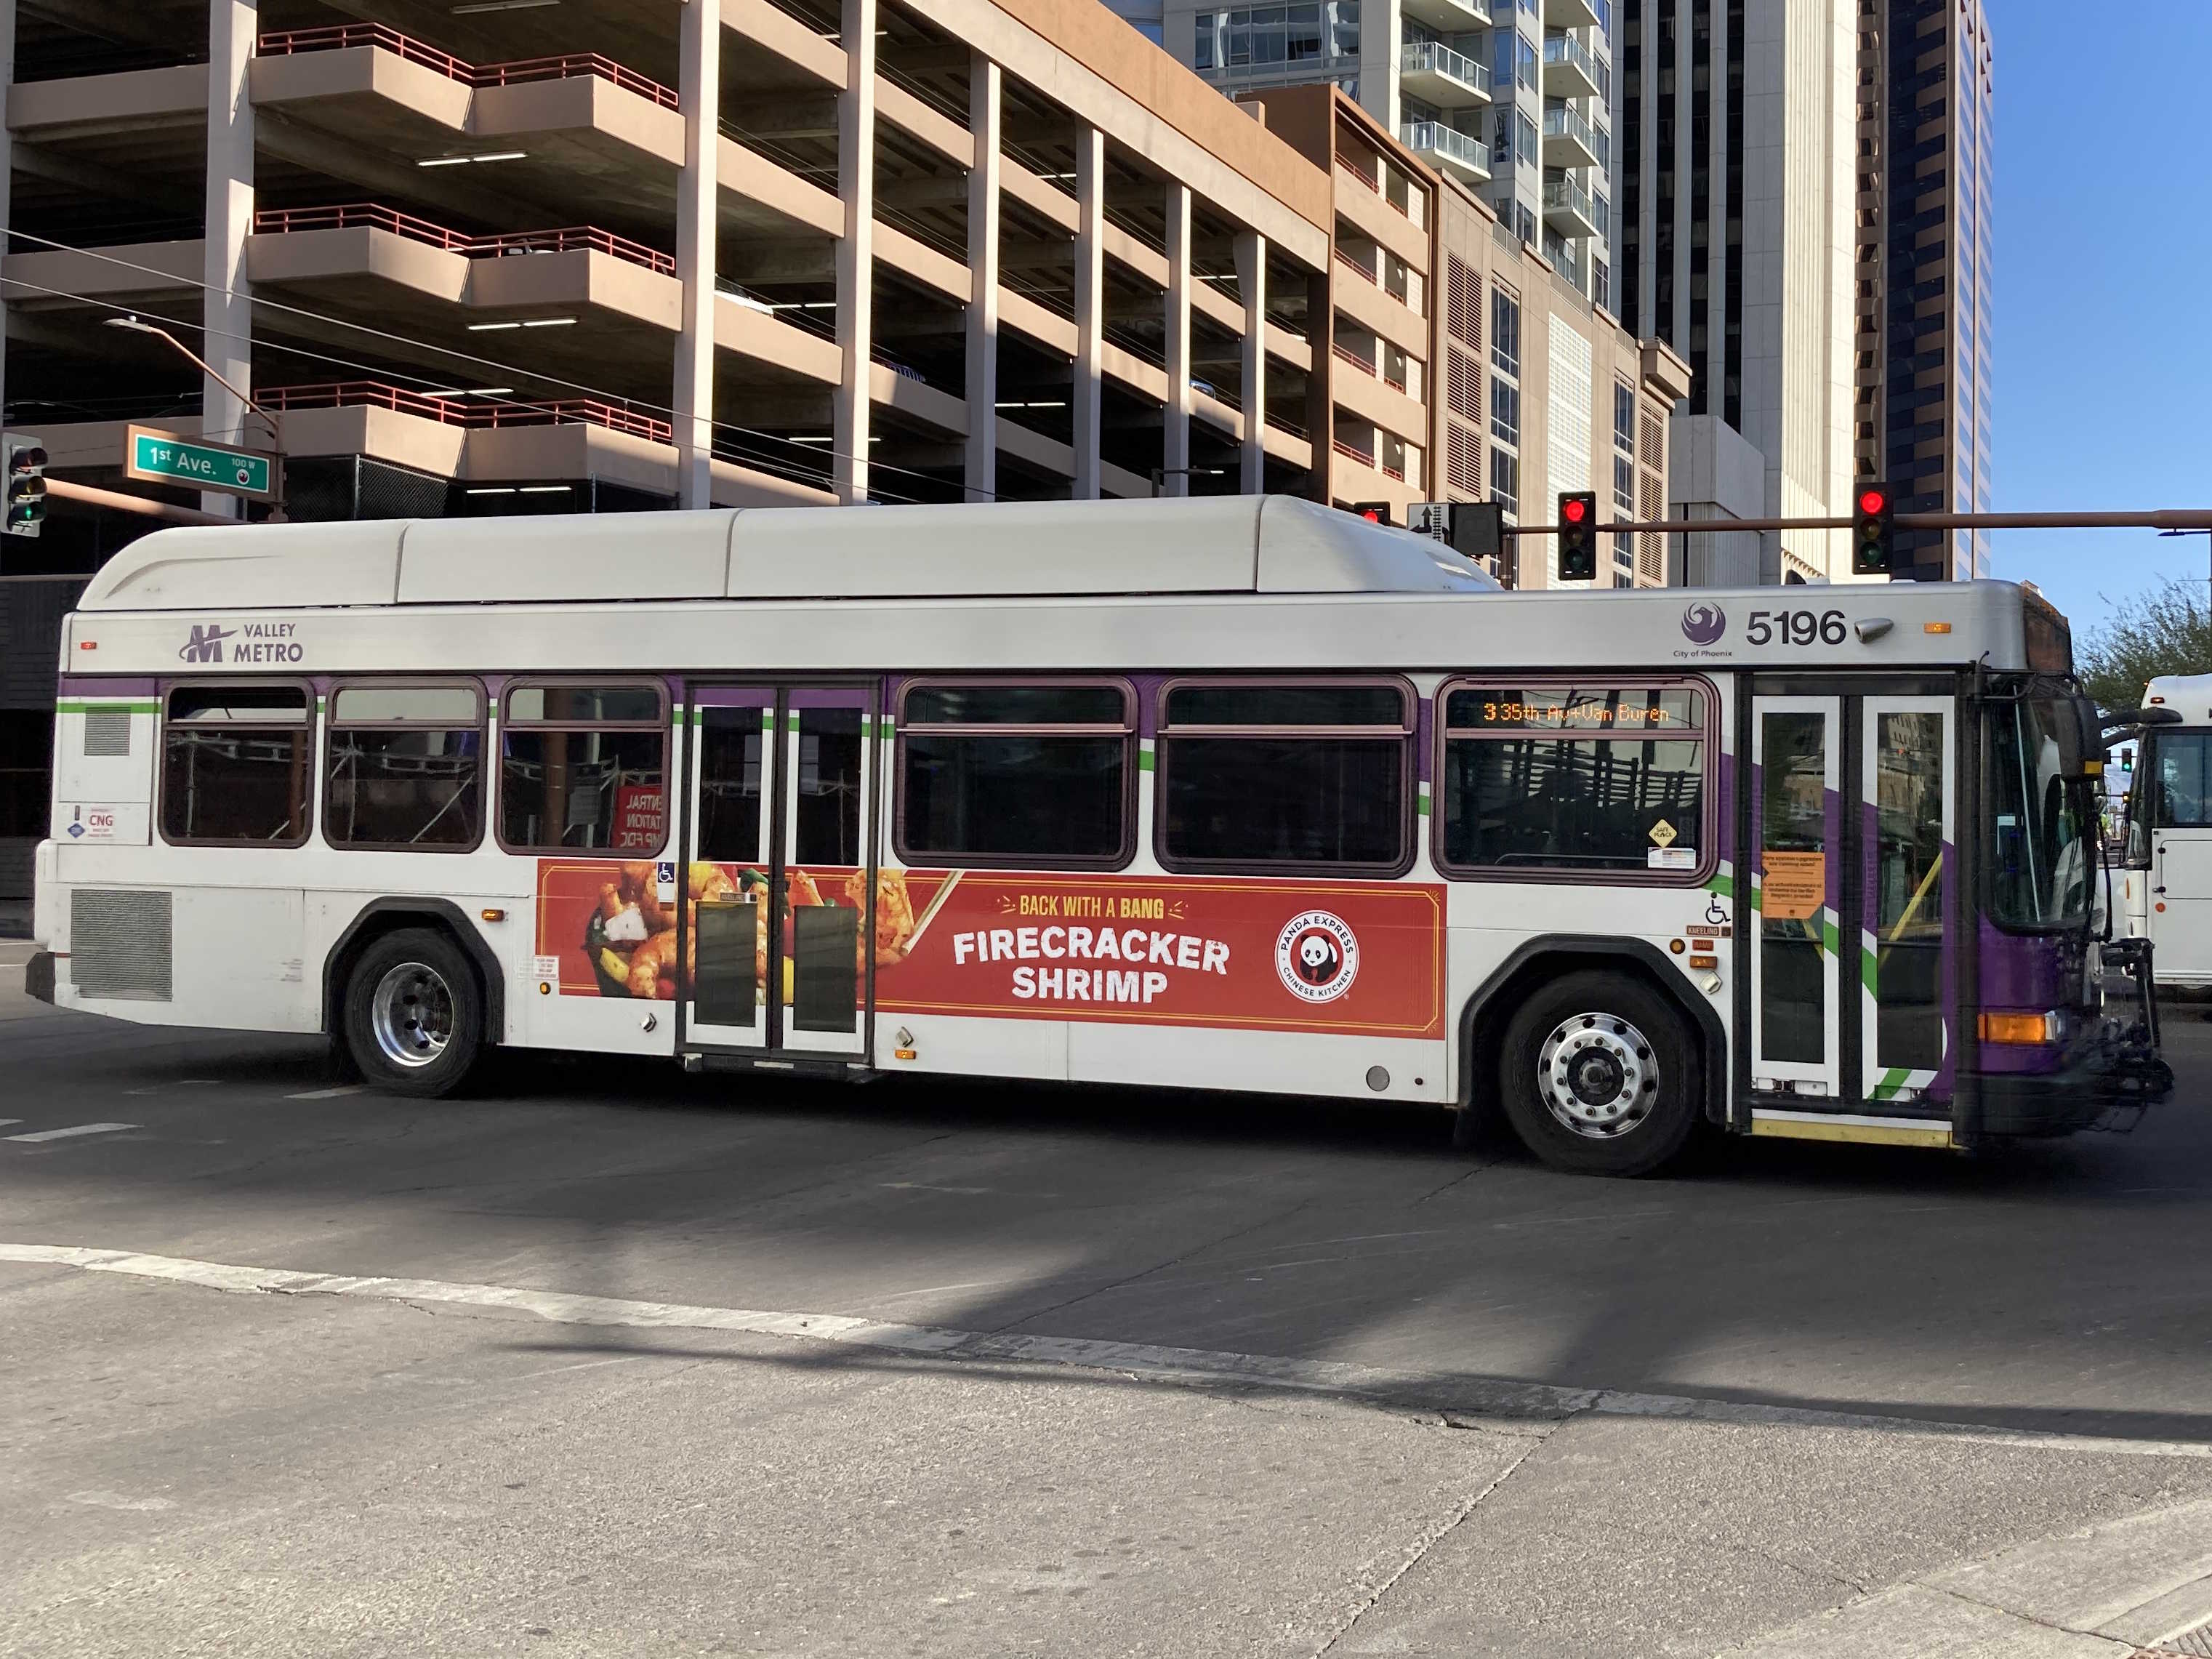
7, 165
227, 311
852, 418
700, 92
1089, 305
1252, 278
1175, 443
983, 105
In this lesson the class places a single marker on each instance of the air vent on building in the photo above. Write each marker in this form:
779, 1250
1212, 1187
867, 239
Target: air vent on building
106, 733
1463, 383
120, 943
1650, 546
1462, 302
1653, 450
1463, 462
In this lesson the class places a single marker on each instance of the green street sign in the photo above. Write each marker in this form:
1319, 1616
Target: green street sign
164, 457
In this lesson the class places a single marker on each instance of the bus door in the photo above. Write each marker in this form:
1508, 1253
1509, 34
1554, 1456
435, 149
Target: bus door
781, 866
2176, 781
1851, 822
1796, 870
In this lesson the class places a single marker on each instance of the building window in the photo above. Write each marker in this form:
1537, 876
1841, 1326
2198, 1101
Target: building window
403, 768
1525, 58
584, 769
234, 765
1506, 330
1504, 411
1574, 780
1312, 774
1506, 481
1027, 775
1527, 144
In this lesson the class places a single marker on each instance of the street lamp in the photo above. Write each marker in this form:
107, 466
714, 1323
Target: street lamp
276, 432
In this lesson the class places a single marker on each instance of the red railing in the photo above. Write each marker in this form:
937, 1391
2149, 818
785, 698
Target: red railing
452, 411
376, 216
1397, 472
1366, 458
1360, 168
1397, 383
1363, 269
1352, 357
283, 43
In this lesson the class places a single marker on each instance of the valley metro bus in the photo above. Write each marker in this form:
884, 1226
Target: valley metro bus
1231, 793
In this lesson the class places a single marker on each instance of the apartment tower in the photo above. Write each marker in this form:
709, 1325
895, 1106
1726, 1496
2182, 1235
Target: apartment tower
1512, 98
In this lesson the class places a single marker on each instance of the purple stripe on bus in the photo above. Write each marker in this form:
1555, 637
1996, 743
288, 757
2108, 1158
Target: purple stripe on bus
104, 685
1425, 726
733, 696
827, 697
2020, 973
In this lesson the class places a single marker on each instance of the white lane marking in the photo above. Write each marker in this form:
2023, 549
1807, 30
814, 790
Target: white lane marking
1467, 1395
5, 1121
927, 1187
74, 1129
173, 1083
329, 1094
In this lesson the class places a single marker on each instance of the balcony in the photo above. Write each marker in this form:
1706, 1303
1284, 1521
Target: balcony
1578, 15
1447, 149
452, 411
1569, 209
1448, 16
285, 43
1568, 140
373, 216
1434, 73
1568, 71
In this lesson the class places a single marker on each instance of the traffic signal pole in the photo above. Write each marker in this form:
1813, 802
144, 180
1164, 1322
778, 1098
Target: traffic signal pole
2164, 519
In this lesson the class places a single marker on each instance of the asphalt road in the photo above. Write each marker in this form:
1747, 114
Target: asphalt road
369, 1471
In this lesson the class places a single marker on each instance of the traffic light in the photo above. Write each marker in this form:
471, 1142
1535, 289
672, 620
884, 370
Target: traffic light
27, 485
1373, 511
1870, 514
1578, 536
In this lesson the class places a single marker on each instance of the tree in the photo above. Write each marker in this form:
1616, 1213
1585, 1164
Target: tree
2166, 630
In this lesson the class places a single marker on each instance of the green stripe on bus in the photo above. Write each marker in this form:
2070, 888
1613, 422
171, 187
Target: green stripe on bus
1892, 1081
1722, 884
80, 705
1144, 758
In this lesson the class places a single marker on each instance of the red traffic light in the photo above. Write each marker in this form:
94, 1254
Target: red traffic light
1872, 501
1573, 509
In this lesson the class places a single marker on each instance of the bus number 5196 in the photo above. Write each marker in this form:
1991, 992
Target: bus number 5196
1795, 627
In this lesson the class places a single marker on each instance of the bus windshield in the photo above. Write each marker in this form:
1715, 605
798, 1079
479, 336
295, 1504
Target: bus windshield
2042, 865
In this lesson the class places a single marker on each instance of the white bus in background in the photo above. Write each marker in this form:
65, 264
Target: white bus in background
2166, 894
1227, 793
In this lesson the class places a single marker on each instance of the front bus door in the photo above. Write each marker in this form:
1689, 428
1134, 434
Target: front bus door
1850, 818
780, 871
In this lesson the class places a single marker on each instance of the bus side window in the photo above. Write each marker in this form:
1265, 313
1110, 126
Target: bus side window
584, 769
1311, 773
403, 766
234, 761
1586, 778
1009, 774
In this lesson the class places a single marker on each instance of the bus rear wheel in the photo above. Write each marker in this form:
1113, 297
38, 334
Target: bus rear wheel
1598, 1076
413, 1015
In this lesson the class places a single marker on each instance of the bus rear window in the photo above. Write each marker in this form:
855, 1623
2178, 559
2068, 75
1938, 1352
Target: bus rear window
235, 762
584, 769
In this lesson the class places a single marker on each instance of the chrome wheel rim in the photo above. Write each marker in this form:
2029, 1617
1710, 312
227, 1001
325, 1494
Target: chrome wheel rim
411, 1015
1597, 1075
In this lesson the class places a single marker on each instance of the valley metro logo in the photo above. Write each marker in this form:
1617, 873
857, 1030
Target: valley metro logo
206, 644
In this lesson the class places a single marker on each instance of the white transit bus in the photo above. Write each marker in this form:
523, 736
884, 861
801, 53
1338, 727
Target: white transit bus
2166, 868
1242, 793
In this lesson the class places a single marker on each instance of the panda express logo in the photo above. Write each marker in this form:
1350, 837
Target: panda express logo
1316, 957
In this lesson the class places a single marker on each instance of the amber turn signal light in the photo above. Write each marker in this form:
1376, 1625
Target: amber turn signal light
2019, 1028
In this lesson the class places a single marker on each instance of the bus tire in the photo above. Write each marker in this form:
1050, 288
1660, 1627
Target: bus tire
1598, 1075
414, 1013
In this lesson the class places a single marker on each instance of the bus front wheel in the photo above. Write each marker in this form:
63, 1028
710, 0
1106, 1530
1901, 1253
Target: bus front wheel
1598, 1075
413, 1015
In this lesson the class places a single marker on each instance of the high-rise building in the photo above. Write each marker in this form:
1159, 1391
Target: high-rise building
1803, 191
1922, 419
1512, 98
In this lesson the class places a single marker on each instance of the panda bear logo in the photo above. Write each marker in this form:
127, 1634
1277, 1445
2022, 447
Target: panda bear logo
1316, 957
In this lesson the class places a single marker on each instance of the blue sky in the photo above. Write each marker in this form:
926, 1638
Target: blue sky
2101, 278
